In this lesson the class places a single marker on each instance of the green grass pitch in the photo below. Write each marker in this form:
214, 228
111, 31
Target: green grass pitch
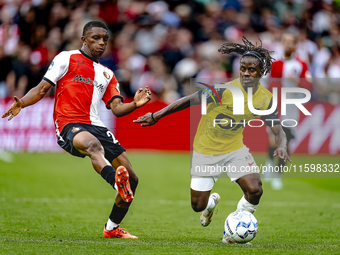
57, 204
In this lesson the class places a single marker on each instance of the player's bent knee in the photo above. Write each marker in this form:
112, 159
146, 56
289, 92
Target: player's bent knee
94, 146
198, 205
199, 200
255, 191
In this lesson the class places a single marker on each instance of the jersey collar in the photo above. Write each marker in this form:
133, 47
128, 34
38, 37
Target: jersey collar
243, 90
82, 52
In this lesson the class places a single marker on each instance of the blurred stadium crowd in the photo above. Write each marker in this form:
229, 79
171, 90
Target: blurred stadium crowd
163, 44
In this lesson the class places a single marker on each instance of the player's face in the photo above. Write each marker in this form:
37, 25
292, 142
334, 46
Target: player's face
95, 41
288, 43
250, 71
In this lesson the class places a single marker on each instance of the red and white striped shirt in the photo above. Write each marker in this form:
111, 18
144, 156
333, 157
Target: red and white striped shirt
292, 72
81, 84
293, 67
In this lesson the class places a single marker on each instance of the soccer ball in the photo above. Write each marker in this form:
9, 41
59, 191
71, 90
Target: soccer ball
240, 227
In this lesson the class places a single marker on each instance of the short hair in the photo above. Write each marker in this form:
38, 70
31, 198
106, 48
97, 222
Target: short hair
94, 23
288, 33
260, 53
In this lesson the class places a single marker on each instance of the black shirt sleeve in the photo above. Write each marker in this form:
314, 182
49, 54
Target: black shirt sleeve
273, 118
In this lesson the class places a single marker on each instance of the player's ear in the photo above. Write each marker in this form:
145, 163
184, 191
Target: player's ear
83, 38
261, 71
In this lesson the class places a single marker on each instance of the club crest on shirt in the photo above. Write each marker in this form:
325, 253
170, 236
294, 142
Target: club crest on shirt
106, 75
75, 129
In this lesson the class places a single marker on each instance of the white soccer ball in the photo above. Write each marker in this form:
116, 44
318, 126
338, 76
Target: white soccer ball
240, 227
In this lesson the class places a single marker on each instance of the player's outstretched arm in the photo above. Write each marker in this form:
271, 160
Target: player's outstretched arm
152, 118
33, 96
120, 109
281, 143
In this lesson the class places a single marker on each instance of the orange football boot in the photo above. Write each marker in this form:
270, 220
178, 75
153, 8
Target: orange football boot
118, 233
123, 184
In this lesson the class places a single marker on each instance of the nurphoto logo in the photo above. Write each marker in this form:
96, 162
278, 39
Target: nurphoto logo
238, 99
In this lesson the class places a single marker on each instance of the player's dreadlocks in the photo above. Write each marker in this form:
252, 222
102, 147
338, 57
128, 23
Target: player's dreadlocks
249, 49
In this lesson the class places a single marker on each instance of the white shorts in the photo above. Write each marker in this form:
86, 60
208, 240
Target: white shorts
206, 169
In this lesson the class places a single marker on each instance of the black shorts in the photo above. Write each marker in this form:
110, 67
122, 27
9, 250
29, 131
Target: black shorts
111, 146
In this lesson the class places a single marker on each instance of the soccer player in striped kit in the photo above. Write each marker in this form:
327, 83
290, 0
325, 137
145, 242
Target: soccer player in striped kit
81, 83
289, 72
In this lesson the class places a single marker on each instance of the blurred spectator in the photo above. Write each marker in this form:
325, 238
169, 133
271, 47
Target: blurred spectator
171, 48
6, 67
328, 89
107, 58
17, 79
292, 8
182, 36
150, 35
322, 19
74, 28
332, 69
305, 48
58, 16
289, 72
53, 43
36, 71
159, 80
130, 67
9, 31
26, 23
320, 58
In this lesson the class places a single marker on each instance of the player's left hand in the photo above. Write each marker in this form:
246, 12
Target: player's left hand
146, 120
142, 97
282, 153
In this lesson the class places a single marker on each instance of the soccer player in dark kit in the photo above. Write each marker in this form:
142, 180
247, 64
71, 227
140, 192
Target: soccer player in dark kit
81, 83
222, 145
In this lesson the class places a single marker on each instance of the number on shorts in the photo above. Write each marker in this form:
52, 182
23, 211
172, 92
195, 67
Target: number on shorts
109, 134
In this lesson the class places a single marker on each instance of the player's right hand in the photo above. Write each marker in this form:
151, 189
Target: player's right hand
146, 120
282, 153
14, 109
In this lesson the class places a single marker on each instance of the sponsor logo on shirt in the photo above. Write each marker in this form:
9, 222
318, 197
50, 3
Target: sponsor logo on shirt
80, 78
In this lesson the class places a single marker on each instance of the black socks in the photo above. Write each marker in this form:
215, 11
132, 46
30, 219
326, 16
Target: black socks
117, 214
109, 174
